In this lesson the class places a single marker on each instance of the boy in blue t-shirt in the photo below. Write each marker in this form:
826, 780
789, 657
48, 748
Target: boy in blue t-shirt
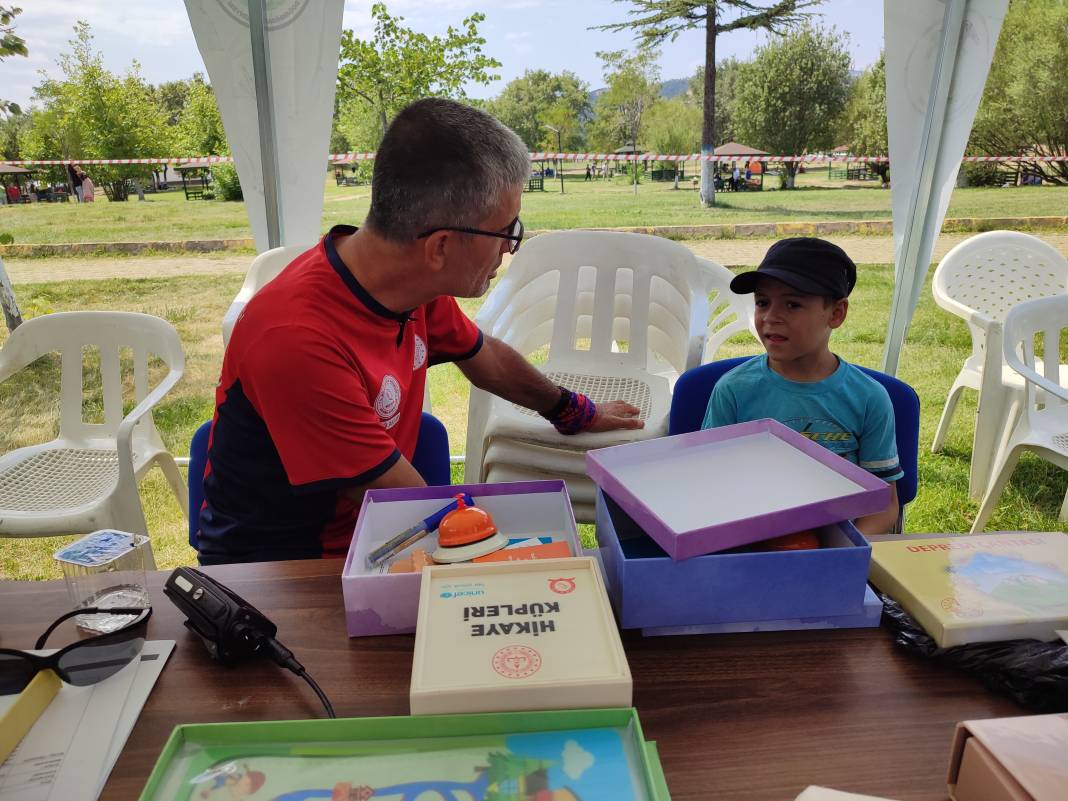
801, 291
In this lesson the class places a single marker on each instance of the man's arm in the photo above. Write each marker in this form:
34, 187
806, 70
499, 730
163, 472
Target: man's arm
402, 474
500, 369
882, 522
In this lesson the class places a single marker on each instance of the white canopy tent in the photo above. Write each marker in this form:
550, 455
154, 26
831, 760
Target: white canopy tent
274, 67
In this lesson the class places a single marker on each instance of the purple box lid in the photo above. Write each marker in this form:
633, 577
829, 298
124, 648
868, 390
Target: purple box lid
711, 490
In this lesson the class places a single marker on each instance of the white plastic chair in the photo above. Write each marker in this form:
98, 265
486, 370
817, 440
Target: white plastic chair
1043, 426
264, 269
620, 315
86, 478
980, 280
730, 313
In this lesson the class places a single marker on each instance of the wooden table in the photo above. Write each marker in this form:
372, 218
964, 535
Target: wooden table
742, 717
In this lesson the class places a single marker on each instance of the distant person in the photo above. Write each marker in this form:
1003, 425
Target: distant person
589, 173
74, 181
88, 189
735, 175
14, 195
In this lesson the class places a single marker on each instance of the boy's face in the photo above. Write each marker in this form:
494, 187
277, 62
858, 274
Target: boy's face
792, 324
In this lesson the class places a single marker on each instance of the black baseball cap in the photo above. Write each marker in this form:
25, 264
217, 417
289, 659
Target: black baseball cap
809, 265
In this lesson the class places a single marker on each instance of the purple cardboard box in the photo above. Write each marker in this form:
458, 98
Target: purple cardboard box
716, 489
650, 590
382, 603
867, 619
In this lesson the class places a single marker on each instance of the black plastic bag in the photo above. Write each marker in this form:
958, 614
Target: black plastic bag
1032, 673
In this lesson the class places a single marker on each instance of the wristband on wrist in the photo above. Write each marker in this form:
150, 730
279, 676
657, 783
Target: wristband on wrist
577, 414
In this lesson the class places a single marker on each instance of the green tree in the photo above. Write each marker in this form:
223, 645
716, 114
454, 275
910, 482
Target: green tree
727, 72
12, 127
91, 113
657, 21
792, 93
1025, 103
10, 45
398, 65
633, 86
200, 128
538, 97
863, 123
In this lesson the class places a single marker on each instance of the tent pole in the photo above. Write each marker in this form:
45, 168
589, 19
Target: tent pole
261, 72
905, 298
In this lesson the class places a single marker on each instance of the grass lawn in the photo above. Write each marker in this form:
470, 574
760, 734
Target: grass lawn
596, 204
937, 346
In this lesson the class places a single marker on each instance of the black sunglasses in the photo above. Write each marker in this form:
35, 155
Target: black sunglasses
82, 663
515, 233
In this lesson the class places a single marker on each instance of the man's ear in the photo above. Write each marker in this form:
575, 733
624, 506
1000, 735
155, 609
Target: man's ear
839, 312
434, 250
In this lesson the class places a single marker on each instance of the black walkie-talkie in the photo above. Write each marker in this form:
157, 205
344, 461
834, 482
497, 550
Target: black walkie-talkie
230, 627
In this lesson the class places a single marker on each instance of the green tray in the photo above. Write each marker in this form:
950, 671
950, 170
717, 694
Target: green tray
194, 751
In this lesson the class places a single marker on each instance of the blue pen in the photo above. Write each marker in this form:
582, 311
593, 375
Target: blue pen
412, 535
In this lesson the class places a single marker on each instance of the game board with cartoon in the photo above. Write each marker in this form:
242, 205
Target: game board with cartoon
594, 764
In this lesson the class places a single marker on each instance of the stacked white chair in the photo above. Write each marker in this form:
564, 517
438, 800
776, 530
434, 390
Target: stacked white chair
264, 269
980, 280
1043, 425
86, 478
612, 315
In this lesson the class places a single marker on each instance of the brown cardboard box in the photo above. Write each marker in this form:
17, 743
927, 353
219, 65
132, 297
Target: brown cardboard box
1010, 759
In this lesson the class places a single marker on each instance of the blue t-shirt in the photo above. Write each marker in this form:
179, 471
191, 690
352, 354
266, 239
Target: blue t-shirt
848, 412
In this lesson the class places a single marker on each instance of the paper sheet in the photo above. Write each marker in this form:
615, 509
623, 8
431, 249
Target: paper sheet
69, 752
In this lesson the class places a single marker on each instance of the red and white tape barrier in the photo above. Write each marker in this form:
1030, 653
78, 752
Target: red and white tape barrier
539, 156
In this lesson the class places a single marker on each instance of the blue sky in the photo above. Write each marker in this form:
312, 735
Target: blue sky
521, 34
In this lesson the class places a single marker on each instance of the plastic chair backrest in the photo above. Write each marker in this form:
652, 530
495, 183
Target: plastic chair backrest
986, 275
267, 265
431, 460
694, 387
730, 313
1044, 318
114, 335
618, 290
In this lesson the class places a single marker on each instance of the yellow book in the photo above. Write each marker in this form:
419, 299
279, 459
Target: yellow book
20, 717
983, 588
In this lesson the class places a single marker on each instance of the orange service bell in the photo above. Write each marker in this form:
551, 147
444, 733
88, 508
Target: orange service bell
466, 533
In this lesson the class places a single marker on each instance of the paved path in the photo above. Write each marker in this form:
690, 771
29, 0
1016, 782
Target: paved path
731, 252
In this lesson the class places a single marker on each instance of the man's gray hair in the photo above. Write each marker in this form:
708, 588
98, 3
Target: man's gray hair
442, 164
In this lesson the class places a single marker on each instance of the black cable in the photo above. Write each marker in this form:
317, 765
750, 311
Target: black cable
283, 657
318, 691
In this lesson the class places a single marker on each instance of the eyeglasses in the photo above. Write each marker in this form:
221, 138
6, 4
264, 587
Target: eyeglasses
514, 228
82, 663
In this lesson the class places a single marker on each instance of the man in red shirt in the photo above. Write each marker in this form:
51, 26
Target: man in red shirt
322, 381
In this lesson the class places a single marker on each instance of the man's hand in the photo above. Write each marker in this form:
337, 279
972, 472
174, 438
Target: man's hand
613, 415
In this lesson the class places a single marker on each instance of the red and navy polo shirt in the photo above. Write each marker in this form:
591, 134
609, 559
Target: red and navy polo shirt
321, 390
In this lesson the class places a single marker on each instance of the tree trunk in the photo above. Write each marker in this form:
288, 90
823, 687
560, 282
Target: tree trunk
708, 128
789, 172
12, 315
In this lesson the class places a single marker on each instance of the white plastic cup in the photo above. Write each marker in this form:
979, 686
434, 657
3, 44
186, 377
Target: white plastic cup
106, 569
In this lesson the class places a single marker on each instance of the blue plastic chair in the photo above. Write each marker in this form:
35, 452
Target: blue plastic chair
431, 460
694, 387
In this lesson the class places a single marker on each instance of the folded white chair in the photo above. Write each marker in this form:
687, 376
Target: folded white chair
980, 280
612, 315
1043, 424
86, 478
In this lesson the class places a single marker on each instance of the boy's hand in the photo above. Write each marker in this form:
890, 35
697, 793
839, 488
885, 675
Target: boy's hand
613, 415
